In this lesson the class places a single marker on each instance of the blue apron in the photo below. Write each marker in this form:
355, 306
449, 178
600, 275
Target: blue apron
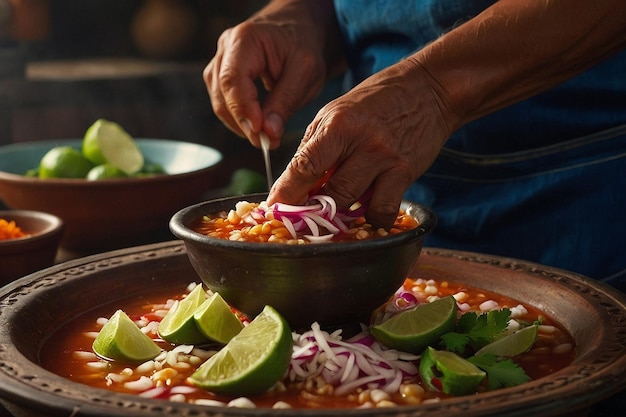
542, 180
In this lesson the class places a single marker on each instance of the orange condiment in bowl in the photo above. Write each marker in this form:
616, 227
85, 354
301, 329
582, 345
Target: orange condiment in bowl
10, 230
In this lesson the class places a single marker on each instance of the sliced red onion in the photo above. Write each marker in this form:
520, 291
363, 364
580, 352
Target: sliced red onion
348, 364
319, 239
315, 230
320, 212
322, 222
289, 226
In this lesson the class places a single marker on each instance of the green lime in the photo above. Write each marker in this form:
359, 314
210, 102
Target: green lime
216, 320
445, 371
412, 330
121, 339
253, 361
178, 326
512, 344
64, 162
104, 172
108, 142
151, 168
33, 173
246, 181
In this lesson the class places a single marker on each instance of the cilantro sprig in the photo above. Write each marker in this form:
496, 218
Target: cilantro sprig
472, 332
500, 373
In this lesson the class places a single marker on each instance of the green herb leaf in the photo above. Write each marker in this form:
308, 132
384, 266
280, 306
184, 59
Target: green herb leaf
475, 331
455, 342
500, 374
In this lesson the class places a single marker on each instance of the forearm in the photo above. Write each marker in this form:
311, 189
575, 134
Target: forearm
317, 17
518, 48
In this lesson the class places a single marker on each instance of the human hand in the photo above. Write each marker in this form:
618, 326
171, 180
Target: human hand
283, 47
381, 136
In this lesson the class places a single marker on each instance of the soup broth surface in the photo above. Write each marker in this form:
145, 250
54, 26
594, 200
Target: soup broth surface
69, 354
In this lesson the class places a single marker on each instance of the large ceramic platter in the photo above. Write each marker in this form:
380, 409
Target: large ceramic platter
35, 306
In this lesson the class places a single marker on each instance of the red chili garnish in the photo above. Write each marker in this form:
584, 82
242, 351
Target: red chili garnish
437, 383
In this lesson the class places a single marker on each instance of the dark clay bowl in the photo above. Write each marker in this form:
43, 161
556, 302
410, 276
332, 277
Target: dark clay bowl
331, 283
36, 308
37, 250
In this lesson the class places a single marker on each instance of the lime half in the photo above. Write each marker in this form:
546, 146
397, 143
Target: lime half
512, 344
178, 326
216, 320
108, 142
121, 339
412, 330
253, 361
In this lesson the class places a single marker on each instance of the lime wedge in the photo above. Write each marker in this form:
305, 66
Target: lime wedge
104, 172
253, 361
108, 142
216, 321
121, 340
64, 162
412, 330
512, 344
445, 371
178, 326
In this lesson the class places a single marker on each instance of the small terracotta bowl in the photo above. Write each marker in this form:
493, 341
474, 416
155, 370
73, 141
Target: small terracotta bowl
37, 250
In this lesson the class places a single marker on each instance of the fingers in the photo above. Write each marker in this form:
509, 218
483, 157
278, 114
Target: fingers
230, 79
292, 71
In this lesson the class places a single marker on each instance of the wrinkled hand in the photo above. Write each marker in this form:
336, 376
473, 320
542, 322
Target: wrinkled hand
284, 52
383, 134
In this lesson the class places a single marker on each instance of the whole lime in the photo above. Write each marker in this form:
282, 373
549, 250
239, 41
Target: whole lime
64, 162
105, 172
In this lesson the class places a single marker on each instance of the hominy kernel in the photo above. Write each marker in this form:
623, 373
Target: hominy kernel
364, 396
430, 290
385, 404
164, 375
460, 296
178, 398
256, 230
233, 217
362, 234
241, 402
488, 305
412, 390
378, 395
281, 232
266, 228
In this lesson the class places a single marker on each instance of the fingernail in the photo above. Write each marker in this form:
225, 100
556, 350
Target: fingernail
246, 126
274, 124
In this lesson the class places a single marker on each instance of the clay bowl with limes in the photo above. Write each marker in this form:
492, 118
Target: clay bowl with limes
111, 212
333, 283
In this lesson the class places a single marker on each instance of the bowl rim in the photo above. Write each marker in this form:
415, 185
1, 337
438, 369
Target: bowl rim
218, 157
179, 226
54, 226
39, 385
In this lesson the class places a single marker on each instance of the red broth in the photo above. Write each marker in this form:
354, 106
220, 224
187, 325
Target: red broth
68, 354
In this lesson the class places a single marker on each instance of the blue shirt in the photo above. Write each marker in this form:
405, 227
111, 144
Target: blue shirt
542, 180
